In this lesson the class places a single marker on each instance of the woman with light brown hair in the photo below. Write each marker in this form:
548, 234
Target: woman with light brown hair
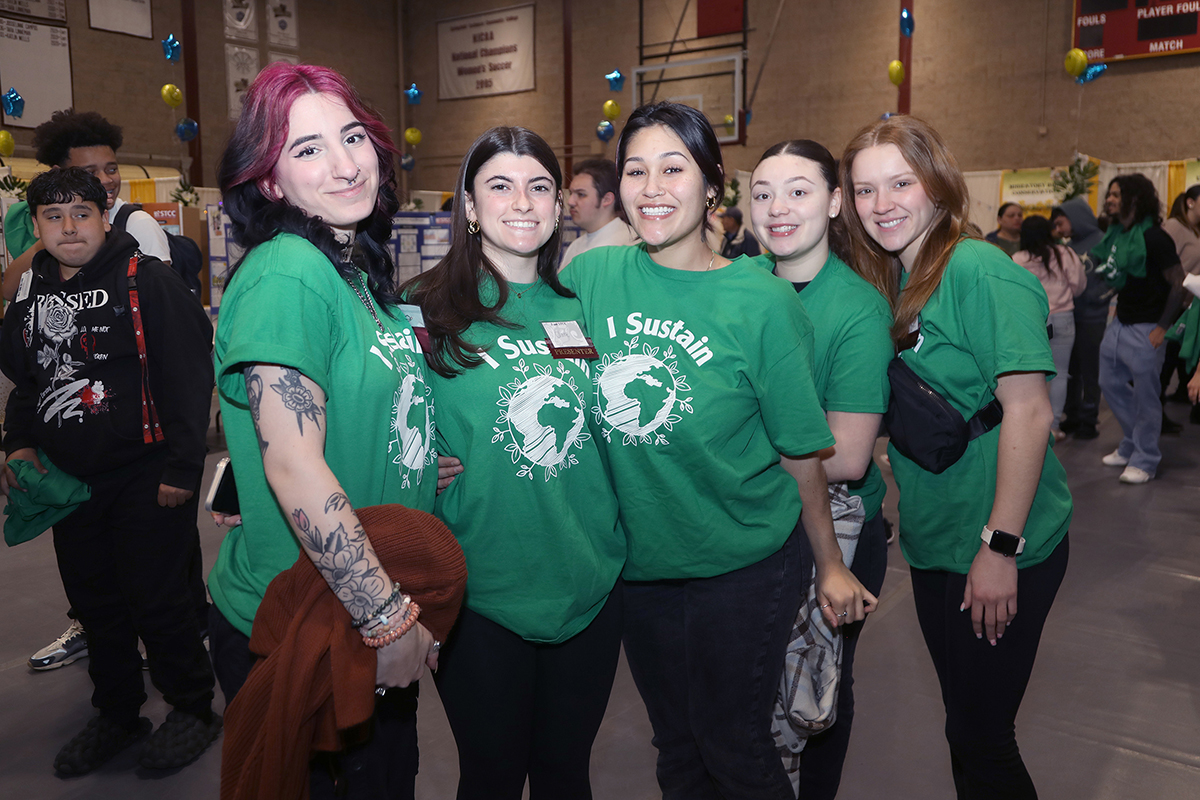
984, 510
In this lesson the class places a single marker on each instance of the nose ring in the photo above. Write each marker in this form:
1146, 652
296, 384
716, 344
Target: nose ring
354, 180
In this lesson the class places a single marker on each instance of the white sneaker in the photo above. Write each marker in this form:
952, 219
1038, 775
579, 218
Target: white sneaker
69, 647
1135, 475
1115, 459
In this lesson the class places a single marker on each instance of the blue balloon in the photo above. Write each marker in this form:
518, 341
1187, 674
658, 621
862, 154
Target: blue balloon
1092, 72
14, 104
187, 129
605, 131
407, 162
749, 114
414, 95
171, 47
907, 23
616, 81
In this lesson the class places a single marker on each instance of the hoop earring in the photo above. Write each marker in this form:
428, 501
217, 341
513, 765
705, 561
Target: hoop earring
711, 202
472, 226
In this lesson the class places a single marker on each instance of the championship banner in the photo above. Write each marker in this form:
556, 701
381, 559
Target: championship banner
1033, 189
486, 54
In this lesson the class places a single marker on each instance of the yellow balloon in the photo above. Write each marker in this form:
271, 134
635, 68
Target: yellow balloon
1075, 62
729, 120
7, 145
896, 72
171, 95
612, 109
413, 136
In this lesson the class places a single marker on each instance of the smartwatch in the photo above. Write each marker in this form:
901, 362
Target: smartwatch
1006, 544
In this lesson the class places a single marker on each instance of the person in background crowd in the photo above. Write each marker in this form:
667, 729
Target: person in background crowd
795, 207
1007, 235
595, 207
1138, 260
738, 240
1075, 226
323, 393
127, 415
972, 325
704, 380
1183, 226
87, 140
1061, 274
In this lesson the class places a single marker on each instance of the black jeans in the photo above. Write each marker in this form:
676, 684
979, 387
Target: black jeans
519, 708
1083, 387
707, 655
124, 562
384, 766
982, 685
823, 755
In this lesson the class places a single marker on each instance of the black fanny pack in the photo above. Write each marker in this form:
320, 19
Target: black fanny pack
923, 425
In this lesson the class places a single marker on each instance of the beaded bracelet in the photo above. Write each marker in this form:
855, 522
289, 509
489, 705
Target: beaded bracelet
379, 611
393, 635
389, 622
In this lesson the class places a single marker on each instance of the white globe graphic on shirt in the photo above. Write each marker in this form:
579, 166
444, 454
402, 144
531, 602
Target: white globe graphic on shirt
411, 422
638, 393
545, 417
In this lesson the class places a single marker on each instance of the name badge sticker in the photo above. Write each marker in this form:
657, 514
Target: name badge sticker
566, 340
416, 321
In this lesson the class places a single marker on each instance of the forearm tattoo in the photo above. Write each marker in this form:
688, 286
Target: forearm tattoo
296, 397
254, 395
340, 558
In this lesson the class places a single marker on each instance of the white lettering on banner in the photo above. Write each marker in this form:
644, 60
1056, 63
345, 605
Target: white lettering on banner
470, 48
1165, 10
1089, 20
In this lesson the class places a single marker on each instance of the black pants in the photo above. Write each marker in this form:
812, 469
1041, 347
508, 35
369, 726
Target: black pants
384, 766
982, 685
124, 562
518, 708
823, 755
1083, 388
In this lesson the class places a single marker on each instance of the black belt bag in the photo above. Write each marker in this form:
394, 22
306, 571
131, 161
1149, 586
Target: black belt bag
923, 425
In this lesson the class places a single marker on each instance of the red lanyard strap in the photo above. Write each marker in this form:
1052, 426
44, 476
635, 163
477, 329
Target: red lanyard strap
151, 430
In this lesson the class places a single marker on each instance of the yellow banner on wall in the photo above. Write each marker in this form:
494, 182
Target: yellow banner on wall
1032, 188
1180, 175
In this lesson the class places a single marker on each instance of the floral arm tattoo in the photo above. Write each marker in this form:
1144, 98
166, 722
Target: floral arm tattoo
297, 398
340, 558
322, 517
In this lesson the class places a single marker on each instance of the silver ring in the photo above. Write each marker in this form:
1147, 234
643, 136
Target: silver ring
437, 646
844, 613
825, 606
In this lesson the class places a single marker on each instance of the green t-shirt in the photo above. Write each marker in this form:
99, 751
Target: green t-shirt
18, 229
704, 379
533, 510
987, 317
288, 305
852, 344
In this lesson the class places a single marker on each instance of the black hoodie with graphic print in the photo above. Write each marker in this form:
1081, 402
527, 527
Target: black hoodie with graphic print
69, 346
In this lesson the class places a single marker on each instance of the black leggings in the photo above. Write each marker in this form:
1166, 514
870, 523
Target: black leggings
518, 708
982, 685
824, 754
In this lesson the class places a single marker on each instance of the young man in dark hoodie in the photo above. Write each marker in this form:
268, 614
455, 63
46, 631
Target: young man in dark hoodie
110, 356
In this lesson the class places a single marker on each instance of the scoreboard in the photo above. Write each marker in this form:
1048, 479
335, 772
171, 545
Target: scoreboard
1112, 30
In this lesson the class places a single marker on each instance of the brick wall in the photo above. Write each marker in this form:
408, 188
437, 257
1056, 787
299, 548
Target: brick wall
981, 73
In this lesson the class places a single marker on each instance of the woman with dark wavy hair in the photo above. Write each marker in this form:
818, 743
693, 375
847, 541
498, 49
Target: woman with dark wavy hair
704, 380
323, 394
525, 676
990, 528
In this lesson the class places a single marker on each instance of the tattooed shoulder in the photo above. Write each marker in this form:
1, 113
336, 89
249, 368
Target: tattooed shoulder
298, 399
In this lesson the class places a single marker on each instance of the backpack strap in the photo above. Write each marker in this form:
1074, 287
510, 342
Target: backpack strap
122, 217
151, 429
